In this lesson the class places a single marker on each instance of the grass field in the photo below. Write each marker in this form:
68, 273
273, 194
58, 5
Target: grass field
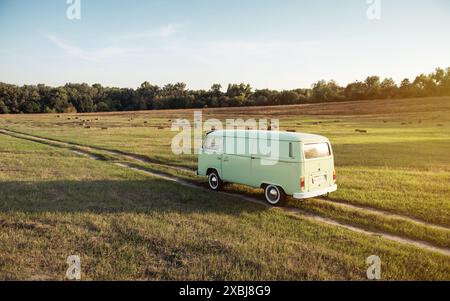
125, 224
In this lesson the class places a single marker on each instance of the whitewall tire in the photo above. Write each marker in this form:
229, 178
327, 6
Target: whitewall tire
214, 181
274, 195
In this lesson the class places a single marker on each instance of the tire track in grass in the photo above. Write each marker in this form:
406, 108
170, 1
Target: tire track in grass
383, 213
298, 213
136, 157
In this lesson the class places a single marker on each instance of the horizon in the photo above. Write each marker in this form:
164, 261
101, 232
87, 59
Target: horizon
265, 44
224, 87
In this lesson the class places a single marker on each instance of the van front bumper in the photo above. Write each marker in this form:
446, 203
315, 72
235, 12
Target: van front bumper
312, 194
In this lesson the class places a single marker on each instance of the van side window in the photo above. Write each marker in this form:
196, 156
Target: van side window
212, 143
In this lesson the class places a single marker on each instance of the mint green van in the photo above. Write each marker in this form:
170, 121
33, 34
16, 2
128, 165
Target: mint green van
303, 166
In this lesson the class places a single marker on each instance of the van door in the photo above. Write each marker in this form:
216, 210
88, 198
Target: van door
212, 153
319, 165
237, 167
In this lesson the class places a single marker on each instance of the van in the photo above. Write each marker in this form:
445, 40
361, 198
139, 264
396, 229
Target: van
302, 168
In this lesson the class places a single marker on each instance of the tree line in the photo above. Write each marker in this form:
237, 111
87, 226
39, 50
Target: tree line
73, 98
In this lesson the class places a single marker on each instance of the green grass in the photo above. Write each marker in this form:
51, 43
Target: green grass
127, 225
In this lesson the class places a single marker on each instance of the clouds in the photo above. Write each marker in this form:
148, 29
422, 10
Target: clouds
165, 31
99, 54
66, 47
113, 51
170, 53
261, 62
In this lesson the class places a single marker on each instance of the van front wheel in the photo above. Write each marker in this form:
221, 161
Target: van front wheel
275, 196
214, 181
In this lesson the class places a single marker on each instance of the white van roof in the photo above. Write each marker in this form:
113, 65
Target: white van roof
282, 136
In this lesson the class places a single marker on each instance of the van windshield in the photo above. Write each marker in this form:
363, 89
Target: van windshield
317, 150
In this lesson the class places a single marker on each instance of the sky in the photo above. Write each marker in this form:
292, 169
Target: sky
284, 44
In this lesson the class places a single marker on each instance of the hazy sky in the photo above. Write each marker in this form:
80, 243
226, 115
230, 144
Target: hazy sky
280, 44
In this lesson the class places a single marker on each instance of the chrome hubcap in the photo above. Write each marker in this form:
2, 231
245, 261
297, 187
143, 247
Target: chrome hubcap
273, 192
272, 195
213, 181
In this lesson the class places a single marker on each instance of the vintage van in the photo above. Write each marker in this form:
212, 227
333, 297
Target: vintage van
303, 166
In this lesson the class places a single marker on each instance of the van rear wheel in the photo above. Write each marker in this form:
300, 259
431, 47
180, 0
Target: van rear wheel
275, 196
214, 181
